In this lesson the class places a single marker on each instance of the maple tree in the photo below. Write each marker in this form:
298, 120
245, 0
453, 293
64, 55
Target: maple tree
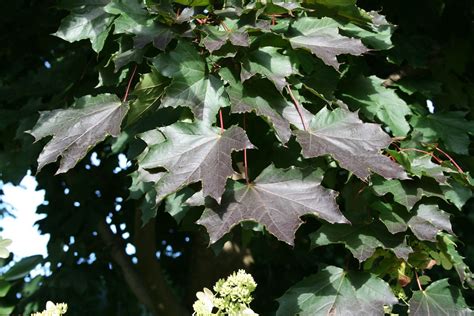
292, 139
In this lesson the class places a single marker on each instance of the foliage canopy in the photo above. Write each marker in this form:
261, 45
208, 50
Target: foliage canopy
292, 139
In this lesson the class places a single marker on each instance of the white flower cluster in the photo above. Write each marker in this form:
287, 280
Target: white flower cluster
53, 309
233, 297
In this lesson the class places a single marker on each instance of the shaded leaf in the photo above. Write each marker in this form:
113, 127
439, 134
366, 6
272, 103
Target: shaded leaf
22, 268
89, 21
428, 222
354, 144
148, 92
334, 291
277, 199
191, 86
361, 240
439, 298
392, 217
191, 153
406, 193
76, 130
450, 127
375, 100
175, 204
322, 38
216, 37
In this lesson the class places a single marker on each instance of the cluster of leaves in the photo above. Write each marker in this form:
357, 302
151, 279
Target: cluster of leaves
270, 111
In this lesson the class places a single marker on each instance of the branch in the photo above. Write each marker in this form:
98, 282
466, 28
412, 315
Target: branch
132, 278
150, 269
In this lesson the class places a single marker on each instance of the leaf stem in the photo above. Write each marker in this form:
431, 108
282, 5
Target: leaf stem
221, 121
450, 159
129, 84
297, 106
418, 281
245, 154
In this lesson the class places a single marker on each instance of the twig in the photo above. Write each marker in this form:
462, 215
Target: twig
297, 106
424, 152
129, 84
418, 281
222, 121
450, 159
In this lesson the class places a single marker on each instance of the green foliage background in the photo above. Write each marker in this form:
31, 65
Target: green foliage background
327, 97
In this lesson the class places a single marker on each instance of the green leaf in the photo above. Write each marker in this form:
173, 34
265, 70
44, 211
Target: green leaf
406, 193
191, 153
4, 288
377, 34
175, 204
322, 38
78, 129
276, 199
428, 222
375, 100
450, 127
456, 193
354, 144
193, 3
361, 240
439, 298
88, 21
191, 86
148, 92
22, 268
134, 19
269, 63
423, 166
334, 291
449, 247
392, 217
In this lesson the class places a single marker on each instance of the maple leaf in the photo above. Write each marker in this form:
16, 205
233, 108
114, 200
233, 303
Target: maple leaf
78, 129
322, 38
361, 240
354, 144
334, 291
191, 85
428, 222
216, 37
370, 95
439, 298
88, 21
277, 199
451, 127
193, 152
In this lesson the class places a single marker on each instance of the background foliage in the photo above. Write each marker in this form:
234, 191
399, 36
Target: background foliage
357, 196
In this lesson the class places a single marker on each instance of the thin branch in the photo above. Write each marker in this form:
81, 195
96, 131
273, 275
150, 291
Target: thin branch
297, 106
450, 159
245, 154
132, 278
422, 151
129, 84
418, 281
